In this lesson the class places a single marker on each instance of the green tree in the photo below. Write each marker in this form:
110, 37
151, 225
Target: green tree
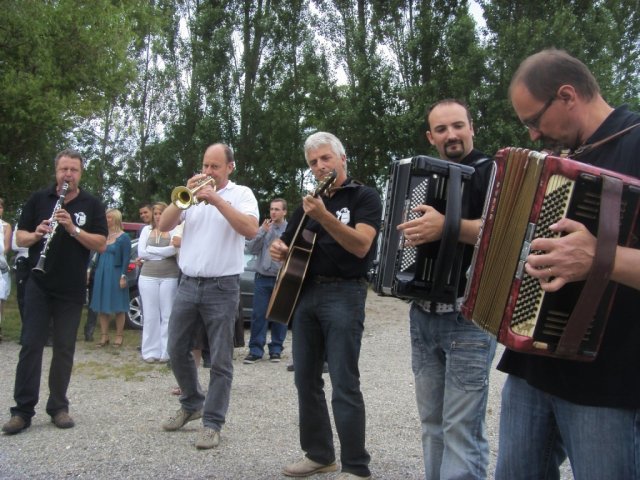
439, 55
61, 62
603, 34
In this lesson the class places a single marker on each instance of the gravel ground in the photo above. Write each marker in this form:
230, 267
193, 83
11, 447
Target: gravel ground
118, 403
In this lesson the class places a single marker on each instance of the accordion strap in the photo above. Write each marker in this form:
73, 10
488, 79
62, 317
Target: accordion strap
450, 231
598, 278
587, 148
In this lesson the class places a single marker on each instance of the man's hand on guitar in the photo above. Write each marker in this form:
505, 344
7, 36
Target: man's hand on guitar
565, 259
278, 250
314, 207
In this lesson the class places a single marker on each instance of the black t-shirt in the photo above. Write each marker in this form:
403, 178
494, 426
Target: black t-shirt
67, 259
612, 379
473, 199
353, 203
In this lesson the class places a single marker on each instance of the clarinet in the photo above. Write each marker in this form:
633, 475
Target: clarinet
53, 223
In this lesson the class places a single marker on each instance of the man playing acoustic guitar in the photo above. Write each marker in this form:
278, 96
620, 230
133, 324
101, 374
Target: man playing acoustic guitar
329, 315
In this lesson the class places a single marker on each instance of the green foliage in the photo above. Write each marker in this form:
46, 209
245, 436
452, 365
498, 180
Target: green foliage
60, 62
142, 88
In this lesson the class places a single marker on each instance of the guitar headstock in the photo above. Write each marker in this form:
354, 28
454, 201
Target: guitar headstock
325, 183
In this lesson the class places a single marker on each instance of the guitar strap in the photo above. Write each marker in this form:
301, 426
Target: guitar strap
349, 183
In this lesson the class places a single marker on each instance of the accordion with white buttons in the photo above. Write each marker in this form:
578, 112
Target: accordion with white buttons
430, 271
530, 192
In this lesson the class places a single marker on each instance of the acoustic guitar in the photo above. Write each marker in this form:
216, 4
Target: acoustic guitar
291, 275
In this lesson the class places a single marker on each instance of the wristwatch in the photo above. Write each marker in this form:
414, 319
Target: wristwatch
76, 232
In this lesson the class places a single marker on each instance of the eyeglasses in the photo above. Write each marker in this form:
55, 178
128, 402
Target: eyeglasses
533, 122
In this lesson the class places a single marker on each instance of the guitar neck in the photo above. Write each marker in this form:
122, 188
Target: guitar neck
298, 237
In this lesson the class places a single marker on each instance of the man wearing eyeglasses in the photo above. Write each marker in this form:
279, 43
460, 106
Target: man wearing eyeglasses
552, 408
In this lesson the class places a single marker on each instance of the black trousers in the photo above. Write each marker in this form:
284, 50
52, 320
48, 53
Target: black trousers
22, 270
41, 308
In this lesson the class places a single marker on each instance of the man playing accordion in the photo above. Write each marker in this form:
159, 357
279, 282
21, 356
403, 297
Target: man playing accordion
451, 357
554, 408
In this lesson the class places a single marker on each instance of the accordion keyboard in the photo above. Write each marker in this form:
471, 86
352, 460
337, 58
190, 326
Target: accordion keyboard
530, 296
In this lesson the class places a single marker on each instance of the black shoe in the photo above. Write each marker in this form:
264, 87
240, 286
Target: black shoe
274, 357
290, 367
250, 359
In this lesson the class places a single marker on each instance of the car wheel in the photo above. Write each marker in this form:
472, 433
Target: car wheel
134, 318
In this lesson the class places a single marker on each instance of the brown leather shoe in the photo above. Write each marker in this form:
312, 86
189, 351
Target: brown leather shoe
15, 425
62, 420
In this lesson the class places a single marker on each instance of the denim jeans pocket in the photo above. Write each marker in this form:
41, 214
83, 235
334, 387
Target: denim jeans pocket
470, 362
229, 284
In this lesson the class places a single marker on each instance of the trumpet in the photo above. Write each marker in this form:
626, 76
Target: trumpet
183, 197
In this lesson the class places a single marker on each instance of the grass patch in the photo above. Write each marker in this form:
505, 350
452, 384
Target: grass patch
123, 363
127, 371
11, 323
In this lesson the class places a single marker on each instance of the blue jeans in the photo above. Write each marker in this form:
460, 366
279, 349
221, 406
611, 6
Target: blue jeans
215, 300
42, 309
451, 360
538, 431
330, 318
261, 295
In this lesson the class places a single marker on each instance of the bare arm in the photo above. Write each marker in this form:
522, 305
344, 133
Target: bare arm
246, 225
254, 246
170, 218
8, 234
626, 269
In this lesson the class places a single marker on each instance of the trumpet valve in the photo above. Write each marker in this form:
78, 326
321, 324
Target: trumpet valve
183, 197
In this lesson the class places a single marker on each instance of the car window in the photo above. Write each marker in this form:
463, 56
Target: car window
249, 262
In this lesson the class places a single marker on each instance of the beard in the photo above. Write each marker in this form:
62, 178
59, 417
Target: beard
454, 154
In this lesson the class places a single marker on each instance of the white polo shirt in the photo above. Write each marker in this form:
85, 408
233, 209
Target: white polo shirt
210, 246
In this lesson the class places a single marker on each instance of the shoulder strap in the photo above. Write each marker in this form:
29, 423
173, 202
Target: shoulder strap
592, 146
480, 161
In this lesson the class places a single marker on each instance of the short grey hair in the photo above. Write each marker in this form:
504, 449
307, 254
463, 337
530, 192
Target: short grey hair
70, 153
320, 139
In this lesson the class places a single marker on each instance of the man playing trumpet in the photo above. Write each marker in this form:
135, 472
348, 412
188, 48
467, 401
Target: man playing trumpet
211, 260
58, 294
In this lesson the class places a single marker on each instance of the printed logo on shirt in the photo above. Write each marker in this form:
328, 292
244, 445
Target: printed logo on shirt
81, 218
344, 215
